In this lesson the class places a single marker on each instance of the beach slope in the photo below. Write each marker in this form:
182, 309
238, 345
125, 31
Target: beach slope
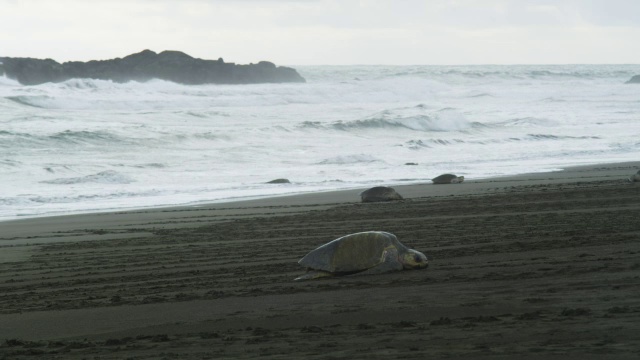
539, 266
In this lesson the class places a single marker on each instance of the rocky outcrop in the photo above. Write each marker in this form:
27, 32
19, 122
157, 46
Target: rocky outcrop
634, 80
173, 66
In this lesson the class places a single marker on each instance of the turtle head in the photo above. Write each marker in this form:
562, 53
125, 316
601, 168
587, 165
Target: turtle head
414, 260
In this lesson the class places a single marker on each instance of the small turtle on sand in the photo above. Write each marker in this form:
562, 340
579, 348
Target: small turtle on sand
447, 179
635, 177
371, 252
380, 193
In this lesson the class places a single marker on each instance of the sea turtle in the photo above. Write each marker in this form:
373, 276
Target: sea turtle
635, 177
370, 252
380, 193
447, 179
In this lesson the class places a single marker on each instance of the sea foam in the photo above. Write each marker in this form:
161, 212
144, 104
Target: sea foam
94, 145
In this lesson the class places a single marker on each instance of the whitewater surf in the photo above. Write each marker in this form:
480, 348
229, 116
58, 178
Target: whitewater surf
91, 145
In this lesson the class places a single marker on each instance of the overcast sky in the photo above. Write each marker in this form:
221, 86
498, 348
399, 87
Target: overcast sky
328, 32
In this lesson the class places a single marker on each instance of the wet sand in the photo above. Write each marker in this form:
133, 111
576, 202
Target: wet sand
536, 266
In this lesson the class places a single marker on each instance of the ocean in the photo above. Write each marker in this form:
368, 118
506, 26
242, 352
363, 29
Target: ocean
91, 145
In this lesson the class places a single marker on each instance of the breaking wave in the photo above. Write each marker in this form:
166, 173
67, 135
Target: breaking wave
63, 138
418, 144
350, 159
404, 118
417, 123
104, 177
38, 101
555, 137
529, 121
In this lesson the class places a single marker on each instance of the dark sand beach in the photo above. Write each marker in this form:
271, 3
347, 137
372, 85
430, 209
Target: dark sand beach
538, 266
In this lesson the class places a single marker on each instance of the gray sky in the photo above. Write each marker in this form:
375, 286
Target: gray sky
328, 32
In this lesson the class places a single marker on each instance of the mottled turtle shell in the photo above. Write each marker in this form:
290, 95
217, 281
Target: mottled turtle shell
352, 253
444, 179
380, 193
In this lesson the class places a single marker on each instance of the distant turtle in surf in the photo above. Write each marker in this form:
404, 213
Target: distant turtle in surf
371, 252
447, 179
635, 177
380, 193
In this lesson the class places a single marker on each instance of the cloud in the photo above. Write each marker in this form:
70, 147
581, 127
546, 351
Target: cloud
327, 31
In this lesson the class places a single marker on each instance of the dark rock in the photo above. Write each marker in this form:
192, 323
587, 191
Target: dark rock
634, 80
173, 66
279, 181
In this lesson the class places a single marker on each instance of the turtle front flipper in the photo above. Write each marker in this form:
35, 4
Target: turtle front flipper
388, 263
313, 274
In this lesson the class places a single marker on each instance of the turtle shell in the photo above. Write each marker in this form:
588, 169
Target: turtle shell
444, 179
351, 253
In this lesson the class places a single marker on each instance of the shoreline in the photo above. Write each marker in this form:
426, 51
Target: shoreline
541, 265
316, 196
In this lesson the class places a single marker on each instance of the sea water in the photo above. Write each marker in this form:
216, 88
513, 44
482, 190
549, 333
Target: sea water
91, 145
